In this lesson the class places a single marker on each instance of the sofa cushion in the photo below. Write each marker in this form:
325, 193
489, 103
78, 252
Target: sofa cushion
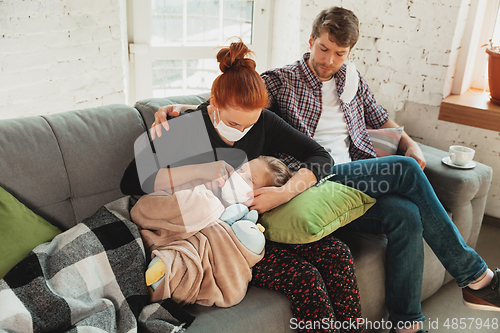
21, 231
97, 145
315, 213
386, 140
33, 168
368, 251
65, 166
262, 310
148, 107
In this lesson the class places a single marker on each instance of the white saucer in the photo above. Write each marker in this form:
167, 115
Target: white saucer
446, 160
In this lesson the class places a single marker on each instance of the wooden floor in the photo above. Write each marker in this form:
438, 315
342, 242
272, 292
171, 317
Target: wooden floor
445, 308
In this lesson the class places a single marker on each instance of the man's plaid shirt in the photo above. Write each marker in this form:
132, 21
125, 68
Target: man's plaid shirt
295, 95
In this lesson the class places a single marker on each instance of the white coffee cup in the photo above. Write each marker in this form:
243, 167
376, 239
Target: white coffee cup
461, 155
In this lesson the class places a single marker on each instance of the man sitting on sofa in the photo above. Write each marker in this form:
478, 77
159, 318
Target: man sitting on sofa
327, 99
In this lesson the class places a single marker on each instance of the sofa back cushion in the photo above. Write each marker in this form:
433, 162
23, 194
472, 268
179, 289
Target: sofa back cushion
65, 166
148, 107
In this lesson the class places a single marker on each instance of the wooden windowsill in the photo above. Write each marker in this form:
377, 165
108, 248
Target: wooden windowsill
472, 108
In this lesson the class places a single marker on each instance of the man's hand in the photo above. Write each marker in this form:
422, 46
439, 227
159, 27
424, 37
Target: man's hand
161, 119
408, 145
415, 152
267, 198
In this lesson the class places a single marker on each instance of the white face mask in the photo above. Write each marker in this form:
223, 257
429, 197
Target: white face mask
235, 189
229, 133
351, 83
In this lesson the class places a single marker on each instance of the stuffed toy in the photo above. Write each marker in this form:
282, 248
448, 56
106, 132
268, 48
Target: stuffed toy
244, 225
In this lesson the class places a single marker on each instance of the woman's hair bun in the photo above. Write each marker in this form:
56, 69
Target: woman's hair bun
234, 57
239, 84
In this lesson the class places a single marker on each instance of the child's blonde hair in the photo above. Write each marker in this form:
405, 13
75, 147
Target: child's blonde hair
279, 172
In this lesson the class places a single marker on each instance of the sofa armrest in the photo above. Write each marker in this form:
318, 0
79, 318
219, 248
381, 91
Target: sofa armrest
462, 192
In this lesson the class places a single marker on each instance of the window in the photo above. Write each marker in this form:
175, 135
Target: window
175, 42
496, 31
491, 30
200, 22
469, 103
482, 25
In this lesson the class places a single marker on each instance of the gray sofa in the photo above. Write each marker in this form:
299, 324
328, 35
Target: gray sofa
65, 166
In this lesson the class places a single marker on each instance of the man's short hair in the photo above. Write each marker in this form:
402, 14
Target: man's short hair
341, 24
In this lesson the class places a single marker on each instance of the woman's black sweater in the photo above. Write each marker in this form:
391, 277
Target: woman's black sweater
270, 135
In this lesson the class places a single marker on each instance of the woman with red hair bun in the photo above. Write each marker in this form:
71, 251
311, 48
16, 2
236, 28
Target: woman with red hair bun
318, 277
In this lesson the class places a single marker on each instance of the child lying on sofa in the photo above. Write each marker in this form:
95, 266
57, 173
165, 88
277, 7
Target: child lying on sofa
203, 241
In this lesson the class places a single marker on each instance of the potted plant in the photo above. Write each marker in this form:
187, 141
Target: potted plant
494, 72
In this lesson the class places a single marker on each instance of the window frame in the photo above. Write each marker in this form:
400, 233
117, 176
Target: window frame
142, 54
466, 105
472, 60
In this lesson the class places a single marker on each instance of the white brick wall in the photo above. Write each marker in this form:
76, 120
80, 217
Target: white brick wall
66, 55
407, 53
286, 26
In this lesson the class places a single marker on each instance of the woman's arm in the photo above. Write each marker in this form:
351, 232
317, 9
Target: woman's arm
267, 198
130, 184
170, 178
316, 163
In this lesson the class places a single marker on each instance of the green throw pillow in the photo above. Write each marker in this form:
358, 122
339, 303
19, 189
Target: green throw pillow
315, 213
21, 231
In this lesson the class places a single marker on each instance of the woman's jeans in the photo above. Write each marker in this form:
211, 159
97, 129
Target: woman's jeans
407, 209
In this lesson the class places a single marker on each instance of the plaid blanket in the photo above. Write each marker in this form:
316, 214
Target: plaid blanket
89, 278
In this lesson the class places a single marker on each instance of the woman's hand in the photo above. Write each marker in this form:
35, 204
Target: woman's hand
267, 198
219, 171
171, 111
161, 119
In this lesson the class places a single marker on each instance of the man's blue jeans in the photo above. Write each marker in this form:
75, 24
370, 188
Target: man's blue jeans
407, 209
